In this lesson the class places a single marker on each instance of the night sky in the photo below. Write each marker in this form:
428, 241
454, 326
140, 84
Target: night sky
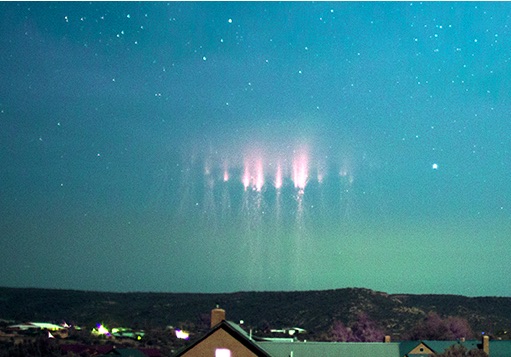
219, 147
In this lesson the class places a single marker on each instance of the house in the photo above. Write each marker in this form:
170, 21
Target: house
225, 339
430, 348
289, 330
37, 326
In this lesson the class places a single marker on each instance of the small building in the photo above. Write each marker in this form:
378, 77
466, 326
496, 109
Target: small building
432, 347
37, 326
289, 330
225, 339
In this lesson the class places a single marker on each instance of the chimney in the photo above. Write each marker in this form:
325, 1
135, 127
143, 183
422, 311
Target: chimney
387, 339
217, 316
486, 344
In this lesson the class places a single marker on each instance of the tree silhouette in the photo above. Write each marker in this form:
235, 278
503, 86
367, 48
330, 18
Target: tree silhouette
362, 330
462, 351
433, 327
340, 333
459, 327
366, 330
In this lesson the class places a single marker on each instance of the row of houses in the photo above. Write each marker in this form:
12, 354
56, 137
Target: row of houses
119, 339
228, 339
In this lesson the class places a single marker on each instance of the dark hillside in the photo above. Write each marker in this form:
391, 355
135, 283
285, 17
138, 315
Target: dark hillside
313, 310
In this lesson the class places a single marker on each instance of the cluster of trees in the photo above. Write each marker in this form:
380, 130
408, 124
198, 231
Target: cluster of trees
461, 351
361, 330
40, 346
433, 327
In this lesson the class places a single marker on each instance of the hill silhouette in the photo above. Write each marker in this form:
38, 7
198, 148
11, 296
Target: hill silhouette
314, 311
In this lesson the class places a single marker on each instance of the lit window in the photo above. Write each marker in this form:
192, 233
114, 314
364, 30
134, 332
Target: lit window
222, 352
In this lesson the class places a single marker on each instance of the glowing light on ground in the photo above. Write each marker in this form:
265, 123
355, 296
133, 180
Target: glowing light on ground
183, 335
101, 330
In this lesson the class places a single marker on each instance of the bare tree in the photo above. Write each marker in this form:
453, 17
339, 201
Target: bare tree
362, 330
340, 333
366, 330
462, 351
433, 327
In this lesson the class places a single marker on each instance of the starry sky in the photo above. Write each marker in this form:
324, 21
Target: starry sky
239, 146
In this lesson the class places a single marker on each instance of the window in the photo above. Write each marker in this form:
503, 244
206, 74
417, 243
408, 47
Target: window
222, 352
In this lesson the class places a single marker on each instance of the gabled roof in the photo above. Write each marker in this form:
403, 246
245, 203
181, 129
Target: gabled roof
497, 348
436, 346
441, 346
236, 332
406, 347
331, 349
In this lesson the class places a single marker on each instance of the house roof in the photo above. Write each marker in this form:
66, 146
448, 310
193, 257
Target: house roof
406, 347
393, 349
37, 325
331, 349
265, 348
500, 348
77, 348
441, 346
126, 352
436, 346
236, 332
